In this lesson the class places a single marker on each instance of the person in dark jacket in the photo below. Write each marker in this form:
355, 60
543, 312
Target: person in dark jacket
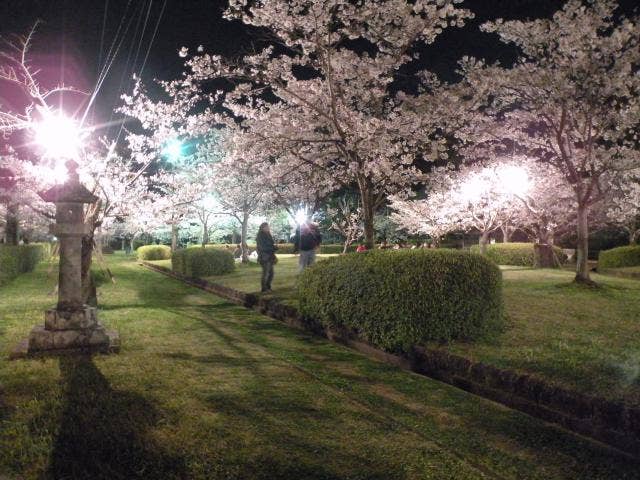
306, 241
266, 249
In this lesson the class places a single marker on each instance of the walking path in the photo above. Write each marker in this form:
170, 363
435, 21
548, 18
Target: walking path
205, 389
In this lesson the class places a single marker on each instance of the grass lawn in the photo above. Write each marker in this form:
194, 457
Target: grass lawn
205, 389
582, 338
630, 272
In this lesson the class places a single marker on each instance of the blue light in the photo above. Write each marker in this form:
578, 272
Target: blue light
173, 150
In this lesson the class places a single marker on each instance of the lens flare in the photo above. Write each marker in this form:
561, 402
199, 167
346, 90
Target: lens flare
59, 136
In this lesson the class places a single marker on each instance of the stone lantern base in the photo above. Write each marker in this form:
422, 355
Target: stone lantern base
69, 331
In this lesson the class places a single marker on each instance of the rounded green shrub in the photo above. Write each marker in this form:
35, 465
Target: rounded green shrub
398, 299
9, 263
517, 254
202, 262
15, 260
628, 256
154, 252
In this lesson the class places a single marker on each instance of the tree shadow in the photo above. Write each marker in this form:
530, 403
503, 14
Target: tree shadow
102, 431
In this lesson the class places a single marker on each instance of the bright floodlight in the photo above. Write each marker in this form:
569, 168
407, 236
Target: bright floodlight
59, 136
173, 150
474, 188
514, 179
301, 216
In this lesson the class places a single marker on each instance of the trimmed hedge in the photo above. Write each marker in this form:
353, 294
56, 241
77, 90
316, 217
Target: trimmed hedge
398, 299
154, 252
628, 256
15, 260
518, 254
202, 262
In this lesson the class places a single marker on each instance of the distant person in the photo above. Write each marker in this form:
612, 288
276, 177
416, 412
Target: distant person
361, 248
305, 242
237, 253
266, 248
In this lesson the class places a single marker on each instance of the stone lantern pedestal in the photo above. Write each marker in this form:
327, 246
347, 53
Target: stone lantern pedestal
72, 326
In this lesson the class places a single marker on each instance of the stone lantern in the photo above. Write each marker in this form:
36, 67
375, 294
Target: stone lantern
72, 325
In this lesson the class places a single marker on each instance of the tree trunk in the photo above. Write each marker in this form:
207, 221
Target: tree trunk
634, 237
174, 237
205, 233
243, 238
89, 292
367, 218
507, 232
11, 228
346, 246
582, 265
484, 241
543, 256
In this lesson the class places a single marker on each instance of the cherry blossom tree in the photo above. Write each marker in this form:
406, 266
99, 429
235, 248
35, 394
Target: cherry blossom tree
474, 197
571, 101
623, 209
33, 105
175, 194
319, 98
434, 216
346, 219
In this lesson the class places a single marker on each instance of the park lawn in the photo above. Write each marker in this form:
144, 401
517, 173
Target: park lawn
624, 272
205, 389
577, 337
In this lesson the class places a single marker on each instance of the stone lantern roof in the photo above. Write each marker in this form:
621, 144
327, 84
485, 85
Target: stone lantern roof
72, 191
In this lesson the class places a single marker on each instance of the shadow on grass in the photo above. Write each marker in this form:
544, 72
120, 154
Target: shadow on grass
102, 431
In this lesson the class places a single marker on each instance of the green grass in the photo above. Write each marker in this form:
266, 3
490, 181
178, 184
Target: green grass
205, 389
628, 272
578, 337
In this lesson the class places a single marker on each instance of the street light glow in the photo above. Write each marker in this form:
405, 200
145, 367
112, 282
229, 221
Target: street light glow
301, 216
173, 150
59, 136
515, 179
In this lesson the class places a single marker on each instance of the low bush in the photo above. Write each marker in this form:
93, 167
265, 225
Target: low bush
398, 299
628, 256
336, 248
518, 254
136, 244
202, 262
15, 260
154, 252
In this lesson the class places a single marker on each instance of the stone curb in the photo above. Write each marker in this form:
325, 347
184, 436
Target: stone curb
612, 423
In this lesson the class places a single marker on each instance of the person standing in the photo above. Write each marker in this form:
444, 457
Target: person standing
306, 241
266, 249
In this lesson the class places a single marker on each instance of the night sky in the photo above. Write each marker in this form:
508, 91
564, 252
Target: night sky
71, 43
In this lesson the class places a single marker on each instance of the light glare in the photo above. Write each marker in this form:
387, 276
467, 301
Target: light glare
514, 179
173, 149
301, 216
59, 136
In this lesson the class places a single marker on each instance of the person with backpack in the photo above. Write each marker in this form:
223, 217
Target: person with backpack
266, 248
306, 241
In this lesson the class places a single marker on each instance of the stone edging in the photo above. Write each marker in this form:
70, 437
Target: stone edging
612, 423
